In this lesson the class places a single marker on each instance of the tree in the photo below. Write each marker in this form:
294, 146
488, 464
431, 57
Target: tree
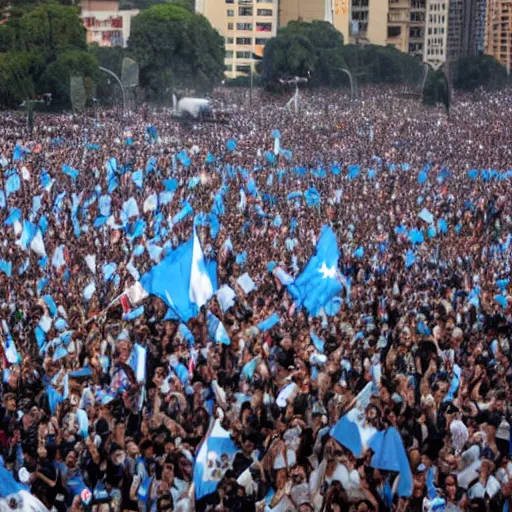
176, 48
16, 84
50, 38
381, 64
50, 29
478, 71
312, 46
56, 78
287, 56
146, 4
437, 89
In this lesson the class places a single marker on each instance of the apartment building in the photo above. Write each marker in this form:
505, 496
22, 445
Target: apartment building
480, 24
246, 26
303, 10
498, 34
462, 28
360, 21
368, 22
455, 38
106, 24
436, 33
406, 26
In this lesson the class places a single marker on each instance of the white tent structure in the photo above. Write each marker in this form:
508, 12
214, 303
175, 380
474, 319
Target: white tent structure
192, 106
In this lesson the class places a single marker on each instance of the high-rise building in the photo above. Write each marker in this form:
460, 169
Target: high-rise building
368, 21
469, 37
480, 25
436, 33
246, 26
456, 25
462, 24
398, 23
417, 32
498, 34
360, 21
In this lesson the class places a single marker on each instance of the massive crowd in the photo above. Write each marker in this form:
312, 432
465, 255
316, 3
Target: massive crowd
424, 314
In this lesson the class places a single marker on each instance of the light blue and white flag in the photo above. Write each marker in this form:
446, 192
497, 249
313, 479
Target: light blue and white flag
225, 297
58, 260
269, 322
351, 430
213, 460
201, 287
180, 280
10, 351
6, 267
216, 329
390, 455
318, 283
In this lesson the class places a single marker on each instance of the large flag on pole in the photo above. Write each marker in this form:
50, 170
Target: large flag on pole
182, 280
319, 283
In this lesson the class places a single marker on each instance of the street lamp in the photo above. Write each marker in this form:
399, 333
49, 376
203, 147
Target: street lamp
111, 73
353, 91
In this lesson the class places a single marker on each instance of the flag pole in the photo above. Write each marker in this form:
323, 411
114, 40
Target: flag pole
103, 311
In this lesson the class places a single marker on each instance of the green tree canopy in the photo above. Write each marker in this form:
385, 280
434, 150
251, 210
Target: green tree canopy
478, 71
16, 84
49, 29
146, 4
437, 89
49, 39
287, 56
56, 77
176, 48
301, 47
381, 64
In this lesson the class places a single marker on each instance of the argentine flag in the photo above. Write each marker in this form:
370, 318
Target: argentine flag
213, 460
351, 430
14, 496
201, 286
182, 280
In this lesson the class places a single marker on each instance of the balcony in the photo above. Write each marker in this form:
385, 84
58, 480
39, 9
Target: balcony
396, 17
399, 4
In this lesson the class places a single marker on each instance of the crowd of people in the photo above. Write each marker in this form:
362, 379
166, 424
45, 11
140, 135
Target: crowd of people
417, 347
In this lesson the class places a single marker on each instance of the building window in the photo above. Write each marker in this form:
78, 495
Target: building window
418, 17
261, 41
229, 54
394, 31
230, 1
231, 13
243, 55
264, 12
244, 40
229, 40
245, 11
243, 69
230, 26
263, 27
244, 26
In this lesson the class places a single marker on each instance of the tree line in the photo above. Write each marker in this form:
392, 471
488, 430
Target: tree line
43, 45
317, 50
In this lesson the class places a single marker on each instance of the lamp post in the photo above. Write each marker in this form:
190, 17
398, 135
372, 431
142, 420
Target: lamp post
111, 73
352, 83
